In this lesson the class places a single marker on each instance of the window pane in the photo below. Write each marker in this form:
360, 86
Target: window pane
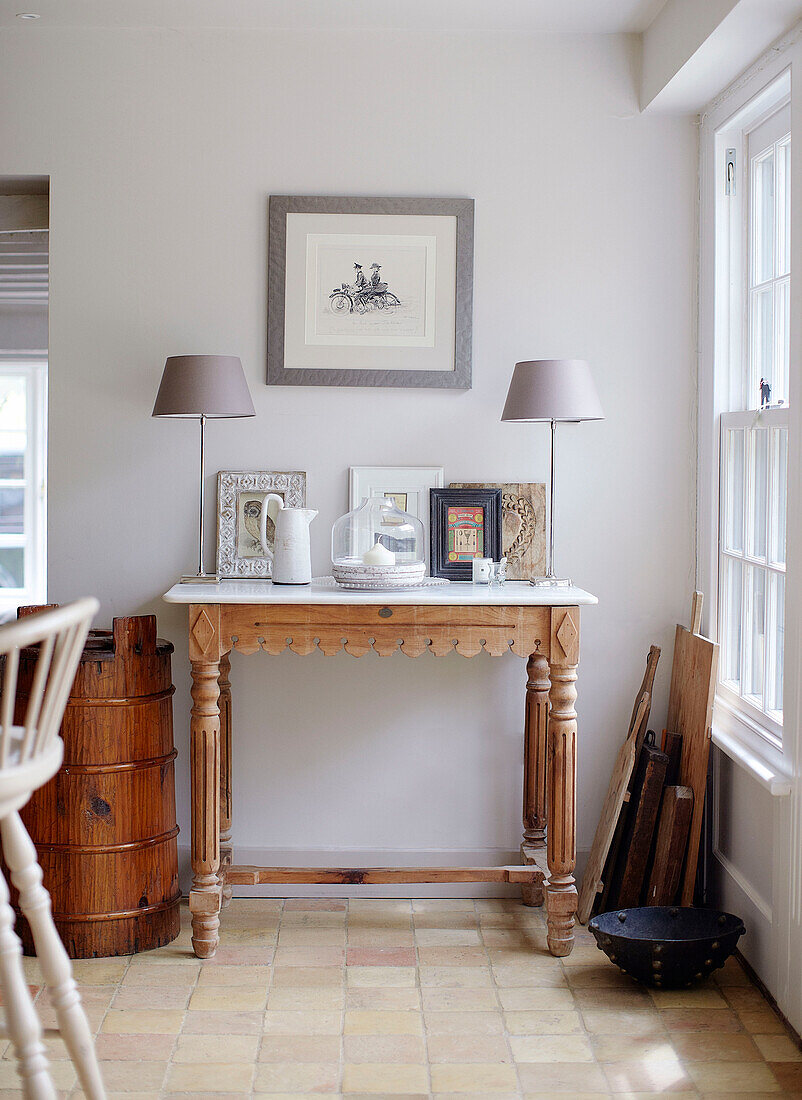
758, 487
775, 635
734, 490
784, 208
779, 493
731, 622
761, 306
782, 341
12, 454
13, 410
763, 218
12, 508
754, 635
12, 567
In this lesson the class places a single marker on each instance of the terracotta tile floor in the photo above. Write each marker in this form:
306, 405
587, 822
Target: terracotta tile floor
412, 999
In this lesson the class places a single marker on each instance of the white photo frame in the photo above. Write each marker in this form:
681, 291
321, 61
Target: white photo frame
408, 485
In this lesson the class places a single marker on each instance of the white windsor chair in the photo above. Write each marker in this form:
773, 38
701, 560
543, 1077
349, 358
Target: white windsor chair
30, 754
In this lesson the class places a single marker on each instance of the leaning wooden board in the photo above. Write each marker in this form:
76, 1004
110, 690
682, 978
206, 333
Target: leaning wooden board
647, 684
603, 902
616, 796
690, 713
617, 791
671, 845
672, 747
647, 792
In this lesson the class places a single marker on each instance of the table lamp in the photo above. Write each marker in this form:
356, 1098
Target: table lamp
552, 389
197, 387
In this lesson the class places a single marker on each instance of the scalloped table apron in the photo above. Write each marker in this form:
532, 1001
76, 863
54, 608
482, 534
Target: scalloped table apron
540, 624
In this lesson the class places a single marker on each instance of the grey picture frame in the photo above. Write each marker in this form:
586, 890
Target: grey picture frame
280, 206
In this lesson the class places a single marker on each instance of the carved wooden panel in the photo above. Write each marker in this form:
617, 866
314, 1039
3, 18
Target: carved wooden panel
523, 525
564, 635
357, 630
204, 632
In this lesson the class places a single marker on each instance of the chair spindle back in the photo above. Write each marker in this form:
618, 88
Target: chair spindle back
60, 635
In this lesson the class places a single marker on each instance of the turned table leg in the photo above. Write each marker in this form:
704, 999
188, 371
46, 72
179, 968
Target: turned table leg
225, 775
536, 719
561, 894
204, 897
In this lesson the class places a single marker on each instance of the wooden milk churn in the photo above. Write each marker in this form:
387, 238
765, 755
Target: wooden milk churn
105, 825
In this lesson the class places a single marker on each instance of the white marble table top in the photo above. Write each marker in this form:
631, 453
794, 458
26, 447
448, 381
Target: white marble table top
321, 591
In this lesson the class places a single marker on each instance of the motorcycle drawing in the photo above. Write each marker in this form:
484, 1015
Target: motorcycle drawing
351, 299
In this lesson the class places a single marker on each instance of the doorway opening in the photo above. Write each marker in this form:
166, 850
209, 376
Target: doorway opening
24, 292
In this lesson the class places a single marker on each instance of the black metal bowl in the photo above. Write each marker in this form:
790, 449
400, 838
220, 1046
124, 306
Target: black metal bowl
667, 946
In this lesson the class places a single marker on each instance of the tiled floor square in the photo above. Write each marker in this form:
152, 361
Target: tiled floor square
738, 1078
306, 1077
383, 1023
384, 1048
300, 1048
378, 1078
473, 1077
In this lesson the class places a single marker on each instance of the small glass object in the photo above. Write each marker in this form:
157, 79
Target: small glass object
500, 573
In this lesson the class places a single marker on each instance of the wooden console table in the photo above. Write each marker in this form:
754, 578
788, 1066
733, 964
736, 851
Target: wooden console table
540, 624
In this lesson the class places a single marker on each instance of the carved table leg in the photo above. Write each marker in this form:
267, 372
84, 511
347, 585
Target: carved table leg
533, 846
225, 775
204, 897
561, 894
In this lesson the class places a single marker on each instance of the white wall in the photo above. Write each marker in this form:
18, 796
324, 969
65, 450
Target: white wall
162, 148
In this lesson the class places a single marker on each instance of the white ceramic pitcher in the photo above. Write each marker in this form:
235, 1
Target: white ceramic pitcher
292, 560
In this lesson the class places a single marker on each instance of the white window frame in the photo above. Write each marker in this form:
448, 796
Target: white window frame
743, 732
35, 501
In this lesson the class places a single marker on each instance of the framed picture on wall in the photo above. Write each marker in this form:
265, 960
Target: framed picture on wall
370, 292
240, 499
407, 486
465, 524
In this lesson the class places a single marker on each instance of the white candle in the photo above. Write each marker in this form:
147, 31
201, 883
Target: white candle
378, 555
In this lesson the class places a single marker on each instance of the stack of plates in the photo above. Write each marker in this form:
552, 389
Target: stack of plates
370, 577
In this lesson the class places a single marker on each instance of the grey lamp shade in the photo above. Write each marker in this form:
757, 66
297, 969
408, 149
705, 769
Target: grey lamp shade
203, 385
552, 389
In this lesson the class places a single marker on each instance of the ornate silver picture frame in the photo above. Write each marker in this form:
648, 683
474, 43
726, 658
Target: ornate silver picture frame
370, 291
240, 498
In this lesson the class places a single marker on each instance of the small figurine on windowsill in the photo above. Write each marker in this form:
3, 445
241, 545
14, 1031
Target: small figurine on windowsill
765, 393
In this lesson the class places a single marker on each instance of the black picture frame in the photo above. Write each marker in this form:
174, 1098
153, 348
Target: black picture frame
489, 500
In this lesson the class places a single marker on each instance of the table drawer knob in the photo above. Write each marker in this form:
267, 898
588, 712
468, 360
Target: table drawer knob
385, 612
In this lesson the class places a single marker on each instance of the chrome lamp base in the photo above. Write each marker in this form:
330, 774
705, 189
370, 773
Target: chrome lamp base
551, 582
200, 578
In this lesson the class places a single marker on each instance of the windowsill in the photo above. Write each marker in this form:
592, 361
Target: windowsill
764, 771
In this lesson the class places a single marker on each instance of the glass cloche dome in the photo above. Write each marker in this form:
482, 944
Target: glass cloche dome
377, 545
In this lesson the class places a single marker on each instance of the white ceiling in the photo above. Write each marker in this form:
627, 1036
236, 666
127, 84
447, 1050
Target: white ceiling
552, 16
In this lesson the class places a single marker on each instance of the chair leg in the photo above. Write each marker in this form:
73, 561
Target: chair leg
34, 901
23, 1024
